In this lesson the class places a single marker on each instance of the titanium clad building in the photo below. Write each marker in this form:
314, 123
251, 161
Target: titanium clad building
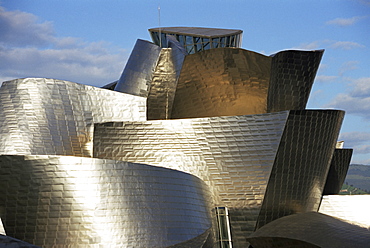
200, 143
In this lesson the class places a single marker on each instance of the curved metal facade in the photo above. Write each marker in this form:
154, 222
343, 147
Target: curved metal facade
302, 163
138, 73
292, 76
223, 81
243, 156
60, 201
310, 230
338, 171
238, 157
47, 116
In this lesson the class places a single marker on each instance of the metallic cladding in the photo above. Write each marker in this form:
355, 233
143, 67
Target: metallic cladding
310, 230
292, 77
352, 208
222, 81
302, 163
47, 116
139, 69
338, 171
62, 201
162, 87
233, 155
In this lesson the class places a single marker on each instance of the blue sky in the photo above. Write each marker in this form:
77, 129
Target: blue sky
89, 41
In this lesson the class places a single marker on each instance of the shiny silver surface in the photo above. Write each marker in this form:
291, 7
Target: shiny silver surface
233, 155
47, 116
301, 165
138, 73
338, 171
310, 230
352, 208
63, 201
238, 157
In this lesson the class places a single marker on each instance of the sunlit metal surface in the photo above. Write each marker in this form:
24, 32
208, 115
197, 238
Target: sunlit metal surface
223, 81
292, 76
138, 73
338, 171
47, 116
302, 164
310, 230
235, 156
162, 87
61, 201
352, 208
231, 81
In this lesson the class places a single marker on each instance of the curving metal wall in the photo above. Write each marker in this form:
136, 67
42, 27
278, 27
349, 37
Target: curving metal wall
338, 171
47, 116
292, 76
310, 230
162, 87
302, 163
238, 157
222, 81
139, 69
63, 201
233, 155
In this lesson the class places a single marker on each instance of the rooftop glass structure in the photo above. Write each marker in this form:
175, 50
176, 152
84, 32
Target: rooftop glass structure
197, 39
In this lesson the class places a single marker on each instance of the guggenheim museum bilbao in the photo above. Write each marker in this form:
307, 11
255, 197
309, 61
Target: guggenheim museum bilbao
200, 143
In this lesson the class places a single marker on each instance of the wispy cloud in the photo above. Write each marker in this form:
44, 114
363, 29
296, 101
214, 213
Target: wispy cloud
356, 101
348, 66
345, 21
343, 45
346, 45
325, 78
29, 48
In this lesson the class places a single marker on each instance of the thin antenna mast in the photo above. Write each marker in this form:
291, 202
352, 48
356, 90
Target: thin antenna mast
159, 25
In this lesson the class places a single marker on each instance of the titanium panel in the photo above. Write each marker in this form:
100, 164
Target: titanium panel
302, 163
47, 116
139, 69
62, 201
163, 87
292, 77
352, 208
233, 155
310, 230
338, 171
222, 81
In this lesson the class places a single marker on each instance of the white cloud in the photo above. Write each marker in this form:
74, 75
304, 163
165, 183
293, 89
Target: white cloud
346, 45
357, 100
345, 21
348, 66
325, 78
31, 49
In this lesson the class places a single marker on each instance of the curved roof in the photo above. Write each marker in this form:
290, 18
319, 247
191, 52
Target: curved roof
196, 31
